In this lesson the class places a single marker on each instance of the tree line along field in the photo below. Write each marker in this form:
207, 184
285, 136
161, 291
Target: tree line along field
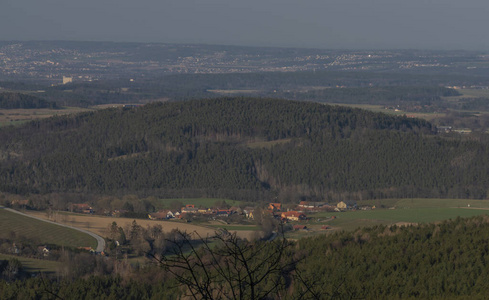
17, 226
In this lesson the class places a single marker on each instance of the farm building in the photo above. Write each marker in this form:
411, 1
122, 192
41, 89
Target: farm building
293, 216
82, 207
300, 227
275, 206
347, 204
248, 211
160, 215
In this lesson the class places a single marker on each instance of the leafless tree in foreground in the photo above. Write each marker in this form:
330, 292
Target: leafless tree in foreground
227, 267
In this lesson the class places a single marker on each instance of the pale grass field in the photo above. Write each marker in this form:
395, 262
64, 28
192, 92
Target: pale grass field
99, 224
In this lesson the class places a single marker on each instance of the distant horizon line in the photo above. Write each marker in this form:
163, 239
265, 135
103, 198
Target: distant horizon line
241, 46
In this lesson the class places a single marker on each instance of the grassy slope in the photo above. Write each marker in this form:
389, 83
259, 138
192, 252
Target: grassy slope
34, 265
41, 232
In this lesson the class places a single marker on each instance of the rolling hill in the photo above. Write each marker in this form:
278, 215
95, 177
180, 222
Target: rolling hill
241, 148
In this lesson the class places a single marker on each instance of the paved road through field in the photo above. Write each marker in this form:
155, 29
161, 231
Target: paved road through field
100, 240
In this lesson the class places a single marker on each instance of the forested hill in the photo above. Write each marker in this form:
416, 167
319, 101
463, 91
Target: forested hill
17, 100
242, 148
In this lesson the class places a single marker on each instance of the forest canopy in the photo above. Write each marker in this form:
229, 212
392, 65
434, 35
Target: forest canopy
18, 100
243, 148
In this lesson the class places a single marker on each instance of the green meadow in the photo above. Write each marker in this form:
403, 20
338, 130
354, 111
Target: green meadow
16, 226
198, 202
426, 203
392, 211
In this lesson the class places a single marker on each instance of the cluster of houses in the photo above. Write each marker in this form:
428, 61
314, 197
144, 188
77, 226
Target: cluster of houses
190, 210
83, 208
273, 209
308, 206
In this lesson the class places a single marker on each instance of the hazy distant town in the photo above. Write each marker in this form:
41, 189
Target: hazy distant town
86, 61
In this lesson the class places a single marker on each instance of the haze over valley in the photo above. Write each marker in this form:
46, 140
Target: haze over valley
244, 150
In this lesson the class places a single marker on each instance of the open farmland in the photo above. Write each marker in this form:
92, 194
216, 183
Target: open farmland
99, 224
40, 232
394, 212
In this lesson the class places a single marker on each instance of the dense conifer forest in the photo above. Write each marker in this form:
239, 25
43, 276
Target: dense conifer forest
244, 148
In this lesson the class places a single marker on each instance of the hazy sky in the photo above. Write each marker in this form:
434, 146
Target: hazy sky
420, 24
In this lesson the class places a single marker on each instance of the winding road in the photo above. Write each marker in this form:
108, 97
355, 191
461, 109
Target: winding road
100, 240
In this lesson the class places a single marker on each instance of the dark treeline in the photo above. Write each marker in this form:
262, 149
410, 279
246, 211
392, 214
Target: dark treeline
375, 95
242, 148
18, 100
431, 261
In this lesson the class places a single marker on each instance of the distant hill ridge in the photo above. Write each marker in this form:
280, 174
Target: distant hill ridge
245, 148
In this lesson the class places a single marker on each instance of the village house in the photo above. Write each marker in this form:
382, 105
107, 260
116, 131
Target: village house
248, 212
189, 209
43, 250
89, 249
204, 211
84, 208
236, 210
161, 215
347, 205
306, 204
223, 213
293, 216
275, 207
300, 227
